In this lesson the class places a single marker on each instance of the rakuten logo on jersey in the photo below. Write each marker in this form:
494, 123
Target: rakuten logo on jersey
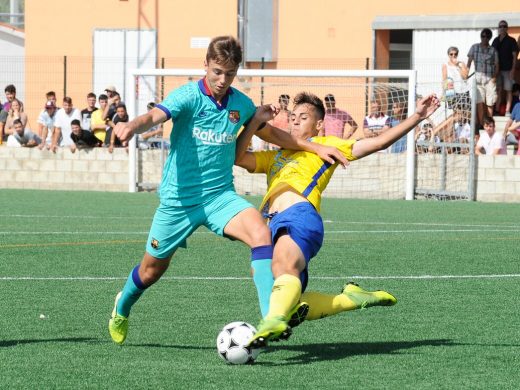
209, 137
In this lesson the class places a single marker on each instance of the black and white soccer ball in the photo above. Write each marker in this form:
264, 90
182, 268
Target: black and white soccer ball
232, 343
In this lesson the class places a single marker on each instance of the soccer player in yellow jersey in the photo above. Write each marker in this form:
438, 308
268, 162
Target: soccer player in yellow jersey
296, 181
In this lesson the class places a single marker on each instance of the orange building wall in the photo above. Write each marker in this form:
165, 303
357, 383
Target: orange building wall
312, 34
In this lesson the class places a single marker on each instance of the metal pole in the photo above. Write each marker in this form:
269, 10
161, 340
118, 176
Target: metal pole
262, 84
64, 76
472, 169
410, 140
132, 152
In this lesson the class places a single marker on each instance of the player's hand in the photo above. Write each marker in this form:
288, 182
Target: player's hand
331, 155
123, 131
266, 112
427, 106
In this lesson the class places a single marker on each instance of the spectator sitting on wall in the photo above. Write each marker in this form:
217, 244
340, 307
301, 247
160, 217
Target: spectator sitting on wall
86, 113
120, 116
22, 137
98, 125
82, 138
62, 127
490, 142
46, 123
15, 112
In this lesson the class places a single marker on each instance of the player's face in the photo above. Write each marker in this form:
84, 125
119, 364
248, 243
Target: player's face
219, 77
304, 123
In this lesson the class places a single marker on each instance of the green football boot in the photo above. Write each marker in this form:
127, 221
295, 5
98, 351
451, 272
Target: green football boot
270, 329
118, 325
364, 299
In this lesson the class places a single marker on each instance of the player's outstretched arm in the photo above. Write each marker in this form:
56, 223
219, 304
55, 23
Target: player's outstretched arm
125, 130
425, 107
282, 138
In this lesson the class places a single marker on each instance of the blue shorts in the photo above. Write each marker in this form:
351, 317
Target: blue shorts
172, 225
304, 225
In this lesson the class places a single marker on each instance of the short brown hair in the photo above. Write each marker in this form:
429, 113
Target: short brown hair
224, 50
313, 100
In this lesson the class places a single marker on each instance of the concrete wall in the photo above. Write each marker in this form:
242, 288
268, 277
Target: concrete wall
380, 176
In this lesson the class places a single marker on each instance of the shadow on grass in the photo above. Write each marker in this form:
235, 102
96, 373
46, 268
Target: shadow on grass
14, 343
337, 351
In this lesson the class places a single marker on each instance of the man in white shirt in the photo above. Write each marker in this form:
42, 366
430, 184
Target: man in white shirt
46, 123
490, 142
62, 126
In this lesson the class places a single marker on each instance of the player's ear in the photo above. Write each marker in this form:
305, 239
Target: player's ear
319, 126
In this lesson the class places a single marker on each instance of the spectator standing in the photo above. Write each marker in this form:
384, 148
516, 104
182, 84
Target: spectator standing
15, 112
10, 95
22, 136
398, 115
62, 124
86, 113
376, 122
82, 138
455, 74
507, 49
490, 142
120, 116
98, 125
46, 123
336, 120
486, 71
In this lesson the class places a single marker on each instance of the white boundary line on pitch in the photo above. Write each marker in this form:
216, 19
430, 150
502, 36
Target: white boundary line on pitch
509, 224
494, 229
203, 278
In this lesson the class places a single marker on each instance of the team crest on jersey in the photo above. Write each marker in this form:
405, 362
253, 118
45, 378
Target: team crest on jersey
234, 116
154, 243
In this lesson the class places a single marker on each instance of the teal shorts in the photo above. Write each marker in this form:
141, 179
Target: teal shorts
172, 225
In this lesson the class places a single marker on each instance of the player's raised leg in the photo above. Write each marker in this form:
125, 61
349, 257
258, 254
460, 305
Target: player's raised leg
352, 297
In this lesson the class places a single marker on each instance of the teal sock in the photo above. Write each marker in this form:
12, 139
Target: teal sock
261, 260
132, 291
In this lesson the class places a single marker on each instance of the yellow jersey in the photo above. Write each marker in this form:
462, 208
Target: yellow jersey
304, 172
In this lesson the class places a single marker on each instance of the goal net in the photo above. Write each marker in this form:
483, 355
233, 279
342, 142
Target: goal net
390, 174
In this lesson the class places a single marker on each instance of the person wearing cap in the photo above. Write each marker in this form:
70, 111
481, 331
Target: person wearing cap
46, 122
110, 91
507, 49
336, 120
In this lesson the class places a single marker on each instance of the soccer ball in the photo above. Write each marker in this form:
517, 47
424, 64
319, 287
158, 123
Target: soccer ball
232, 343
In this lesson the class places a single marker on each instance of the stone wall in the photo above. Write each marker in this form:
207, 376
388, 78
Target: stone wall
379, 176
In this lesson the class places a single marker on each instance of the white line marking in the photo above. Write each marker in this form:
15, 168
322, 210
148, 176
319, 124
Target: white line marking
210, 278
5, 233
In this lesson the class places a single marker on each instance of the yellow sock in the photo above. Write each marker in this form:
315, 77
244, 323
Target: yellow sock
286, 293
324, 305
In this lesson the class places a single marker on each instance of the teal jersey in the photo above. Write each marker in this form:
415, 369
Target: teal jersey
203, 141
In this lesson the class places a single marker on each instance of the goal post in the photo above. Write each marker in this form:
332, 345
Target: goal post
353, 88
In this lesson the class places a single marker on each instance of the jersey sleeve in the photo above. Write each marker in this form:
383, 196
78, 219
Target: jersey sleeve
343, 145
177, 101
264, 160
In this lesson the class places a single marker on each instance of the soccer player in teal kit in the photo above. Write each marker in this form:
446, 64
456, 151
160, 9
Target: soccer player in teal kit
197, 185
